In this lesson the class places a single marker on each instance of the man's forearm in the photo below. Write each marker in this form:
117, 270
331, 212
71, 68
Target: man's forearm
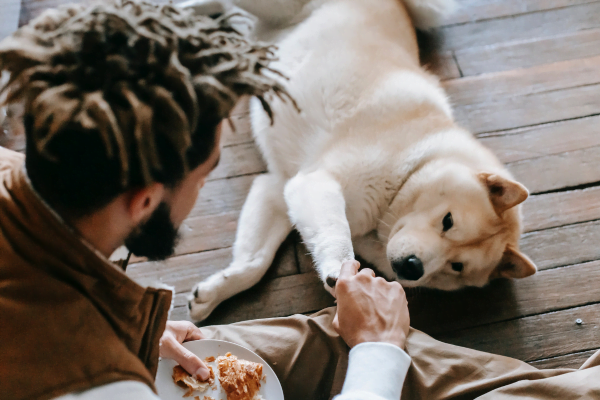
376, 371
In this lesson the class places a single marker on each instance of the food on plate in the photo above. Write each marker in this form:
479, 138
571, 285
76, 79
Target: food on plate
184, 379
240, 379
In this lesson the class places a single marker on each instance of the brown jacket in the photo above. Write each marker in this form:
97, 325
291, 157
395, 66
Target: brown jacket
69, 319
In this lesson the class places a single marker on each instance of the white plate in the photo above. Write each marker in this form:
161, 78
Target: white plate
168, 390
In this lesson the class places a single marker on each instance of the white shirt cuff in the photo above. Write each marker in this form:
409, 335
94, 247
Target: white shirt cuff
378, 368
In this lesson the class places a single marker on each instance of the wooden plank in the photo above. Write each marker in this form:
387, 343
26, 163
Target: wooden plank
574, 360
437, 312
542, 140
223, 195
208, 232
566, 245
274, 298
241, 131
183, 272
558, 171
562, 208
524, 82
528, 53
305, 261
532, 109
475, 10
285, 262
522, 27
239, 159
535, 337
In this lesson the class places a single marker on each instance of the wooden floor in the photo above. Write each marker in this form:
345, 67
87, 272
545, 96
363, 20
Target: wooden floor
524, 76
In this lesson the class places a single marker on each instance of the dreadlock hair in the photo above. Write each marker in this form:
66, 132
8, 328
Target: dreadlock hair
120, 95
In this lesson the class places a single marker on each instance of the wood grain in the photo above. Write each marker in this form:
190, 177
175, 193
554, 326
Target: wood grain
223, 195
522, 27
566, 245
437, 312
237, 160
573, 360
237, 129
542, 140
536, 337
275, 298
183, 272
532, 109
558, 171
475, 10
547, 78
563, 208
528, 53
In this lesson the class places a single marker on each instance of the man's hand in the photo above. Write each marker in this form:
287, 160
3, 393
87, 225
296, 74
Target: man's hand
176, 333
369, 309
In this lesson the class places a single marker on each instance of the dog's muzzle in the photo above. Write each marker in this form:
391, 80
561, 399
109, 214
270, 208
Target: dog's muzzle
409, 268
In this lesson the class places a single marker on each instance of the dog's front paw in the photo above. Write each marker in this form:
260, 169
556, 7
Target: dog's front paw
203, 301
330, 281
332, 278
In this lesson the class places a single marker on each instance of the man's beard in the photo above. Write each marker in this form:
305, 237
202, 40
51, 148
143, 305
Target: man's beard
156, 238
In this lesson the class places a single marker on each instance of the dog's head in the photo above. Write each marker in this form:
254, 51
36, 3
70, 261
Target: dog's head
453, 227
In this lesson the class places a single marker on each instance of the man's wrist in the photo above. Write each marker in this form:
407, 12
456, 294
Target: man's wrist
378, 368
398, 340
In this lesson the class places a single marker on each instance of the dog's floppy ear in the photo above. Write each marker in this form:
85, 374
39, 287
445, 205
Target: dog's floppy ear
504, 193
514, 264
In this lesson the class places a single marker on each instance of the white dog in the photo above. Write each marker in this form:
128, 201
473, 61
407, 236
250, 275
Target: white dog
374, 163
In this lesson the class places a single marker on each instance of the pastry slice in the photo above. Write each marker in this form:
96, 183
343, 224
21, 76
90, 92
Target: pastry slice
240, 379
182, 378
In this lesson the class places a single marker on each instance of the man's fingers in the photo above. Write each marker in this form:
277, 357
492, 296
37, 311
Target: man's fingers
349, 268
188, 360
367, 271
193, 333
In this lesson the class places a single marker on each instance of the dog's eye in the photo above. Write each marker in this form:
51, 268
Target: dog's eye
458, 267
448, 222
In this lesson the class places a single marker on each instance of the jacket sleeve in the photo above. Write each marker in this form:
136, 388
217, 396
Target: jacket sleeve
376, 371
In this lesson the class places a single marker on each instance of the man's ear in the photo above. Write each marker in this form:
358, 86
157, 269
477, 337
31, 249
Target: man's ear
142, 202
504, 193
514, 265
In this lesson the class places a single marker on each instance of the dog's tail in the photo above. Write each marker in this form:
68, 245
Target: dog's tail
427, 14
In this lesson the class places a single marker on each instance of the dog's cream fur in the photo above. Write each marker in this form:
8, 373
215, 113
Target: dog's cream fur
374, 162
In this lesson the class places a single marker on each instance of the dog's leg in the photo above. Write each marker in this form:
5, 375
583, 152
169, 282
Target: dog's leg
317, 208
262, 227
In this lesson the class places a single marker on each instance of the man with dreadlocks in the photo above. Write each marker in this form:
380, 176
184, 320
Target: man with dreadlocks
123, 107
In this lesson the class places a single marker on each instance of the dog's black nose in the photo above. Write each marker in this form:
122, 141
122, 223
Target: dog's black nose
409, 268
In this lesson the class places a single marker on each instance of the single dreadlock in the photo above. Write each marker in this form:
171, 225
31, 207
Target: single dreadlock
151, 82
132, 71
